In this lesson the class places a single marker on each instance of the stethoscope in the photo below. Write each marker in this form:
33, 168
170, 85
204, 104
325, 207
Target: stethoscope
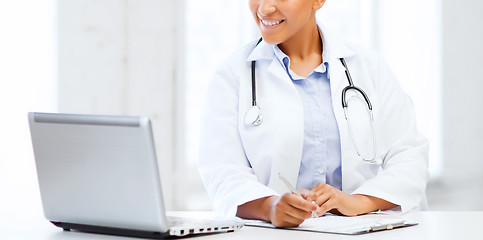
254, 114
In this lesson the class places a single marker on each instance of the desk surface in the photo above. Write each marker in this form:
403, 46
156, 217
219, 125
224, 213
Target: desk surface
432, 225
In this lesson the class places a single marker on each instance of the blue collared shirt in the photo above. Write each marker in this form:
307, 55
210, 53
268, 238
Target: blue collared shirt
321, 155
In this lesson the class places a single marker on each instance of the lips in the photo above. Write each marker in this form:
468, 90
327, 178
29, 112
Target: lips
271, 22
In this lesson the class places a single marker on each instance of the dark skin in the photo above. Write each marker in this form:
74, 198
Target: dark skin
292, 26
289, 210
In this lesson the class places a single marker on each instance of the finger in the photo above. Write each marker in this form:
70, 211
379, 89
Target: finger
294, 201
296, 207
310, 196
327, 193
316, 208
304, 192
291, 220
299, 214
317, 190
321, 187
327, 206
287, 215
299, 203
321, 199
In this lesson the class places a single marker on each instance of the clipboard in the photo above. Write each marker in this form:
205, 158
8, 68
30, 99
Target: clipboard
343, 225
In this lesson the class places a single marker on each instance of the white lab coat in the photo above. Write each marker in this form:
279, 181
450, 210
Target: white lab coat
239, 163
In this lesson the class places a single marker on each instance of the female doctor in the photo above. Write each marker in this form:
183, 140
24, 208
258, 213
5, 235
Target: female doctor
304, 106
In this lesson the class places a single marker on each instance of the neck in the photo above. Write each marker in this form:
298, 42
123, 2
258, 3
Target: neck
304, 44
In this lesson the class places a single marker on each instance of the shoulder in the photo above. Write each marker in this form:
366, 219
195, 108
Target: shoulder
369, 59
239, 57
339, 47
363, 53
232, 69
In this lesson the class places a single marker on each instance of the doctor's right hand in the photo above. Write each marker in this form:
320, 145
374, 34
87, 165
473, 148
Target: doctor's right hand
289, 210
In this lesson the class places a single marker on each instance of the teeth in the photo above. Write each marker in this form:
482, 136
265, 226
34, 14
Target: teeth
271, 23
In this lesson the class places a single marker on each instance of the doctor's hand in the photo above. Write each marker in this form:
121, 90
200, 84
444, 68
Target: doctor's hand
289, 210
334, 200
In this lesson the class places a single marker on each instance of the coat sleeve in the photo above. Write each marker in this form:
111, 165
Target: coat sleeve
223, 165
404, 173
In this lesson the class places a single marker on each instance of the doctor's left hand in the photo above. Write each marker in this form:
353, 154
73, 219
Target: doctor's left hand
334, 200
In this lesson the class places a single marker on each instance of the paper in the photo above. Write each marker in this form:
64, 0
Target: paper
344, 225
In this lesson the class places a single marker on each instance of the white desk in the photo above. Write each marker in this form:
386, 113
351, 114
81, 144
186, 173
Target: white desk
432, 225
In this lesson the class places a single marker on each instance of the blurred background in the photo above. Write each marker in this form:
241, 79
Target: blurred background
156, 57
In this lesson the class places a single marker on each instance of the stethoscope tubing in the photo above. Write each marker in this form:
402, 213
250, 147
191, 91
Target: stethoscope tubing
254, 86
254, 115
351, 86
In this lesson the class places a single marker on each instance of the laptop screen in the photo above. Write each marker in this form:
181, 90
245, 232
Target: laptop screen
98, 170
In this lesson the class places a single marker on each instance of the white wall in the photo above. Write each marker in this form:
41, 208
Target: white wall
461, 187
412, 48
463, 86
26, 84
208, 42
120, 57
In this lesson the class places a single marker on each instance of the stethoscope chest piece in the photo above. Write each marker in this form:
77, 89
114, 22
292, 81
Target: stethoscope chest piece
253, 116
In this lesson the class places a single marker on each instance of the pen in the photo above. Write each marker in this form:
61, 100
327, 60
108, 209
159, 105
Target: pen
292, 189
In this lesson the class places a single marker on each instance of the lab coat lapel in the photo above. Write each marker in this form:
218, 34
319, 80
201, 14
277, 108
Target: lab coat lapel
338, 81
337, 84
287, 166
288, 161
279, 72
263, 51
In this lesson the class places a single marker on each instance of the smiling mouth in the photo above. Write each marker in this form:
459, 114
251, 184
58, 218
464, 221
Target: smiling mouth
271, 22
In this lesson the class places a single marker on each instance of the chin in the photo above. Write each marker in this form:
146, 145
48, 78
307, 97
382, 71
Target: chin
274, 38
271, 40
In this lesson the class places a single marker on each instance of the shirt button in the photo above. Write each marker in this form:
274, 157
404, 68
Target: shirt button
321, 170
321, 139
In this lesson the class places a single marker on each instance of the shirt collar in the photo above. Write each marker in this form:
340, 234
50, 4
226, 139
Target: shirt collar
281, 56
285, 62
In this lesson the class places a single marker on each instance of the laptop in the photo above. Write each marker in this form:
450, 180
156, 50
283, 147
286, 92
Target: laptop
100, 174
